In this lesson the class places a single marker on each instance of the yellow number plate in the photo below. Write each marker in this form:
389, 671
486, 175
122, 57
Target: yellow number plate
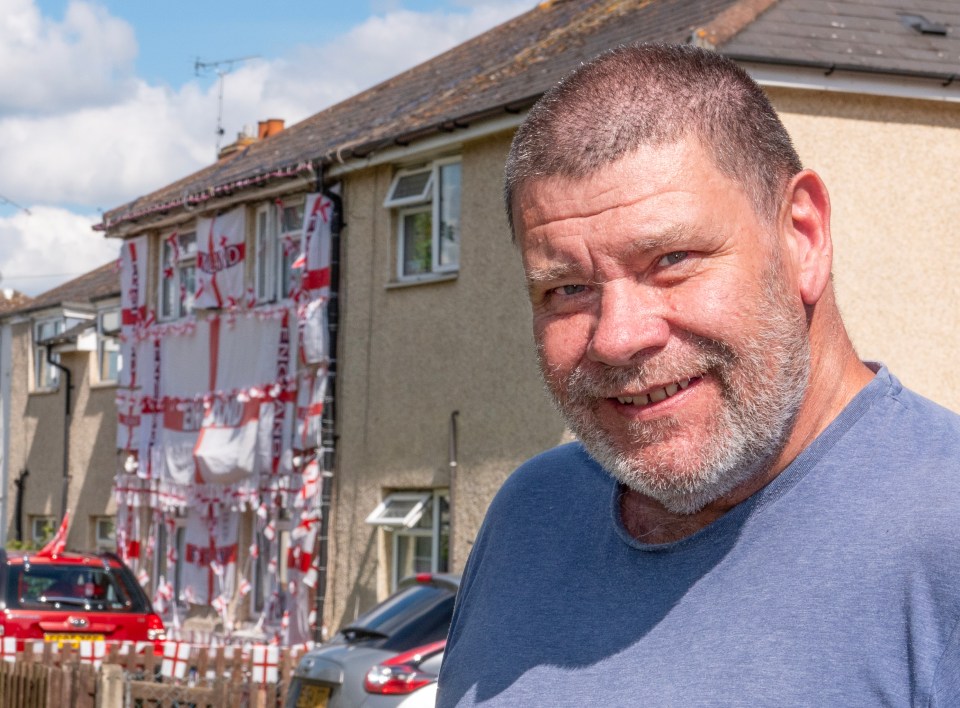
313, 696
71, 639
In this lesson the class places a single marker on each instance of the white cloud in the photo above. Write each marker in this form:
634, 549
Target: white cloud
77, 128
49, 246
314, 77
48, 66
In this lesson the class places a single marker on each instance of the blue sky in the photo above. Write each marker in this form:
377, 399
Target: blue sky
100, 101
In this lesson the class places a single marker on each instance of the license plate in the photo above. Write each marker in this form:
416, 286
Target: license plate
313, 696
71, 639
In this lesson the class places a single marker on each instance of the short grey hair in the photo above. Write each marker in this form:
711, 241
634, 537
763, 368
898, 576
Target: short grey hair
655, 94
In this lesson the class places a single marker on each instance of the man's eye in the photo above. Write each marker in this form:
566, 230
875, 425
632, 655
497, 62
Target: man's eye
569, 290
672, 258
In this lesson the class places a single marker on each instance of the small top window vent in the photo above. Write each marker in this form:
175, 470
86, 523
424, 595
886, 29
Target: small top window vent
410, 187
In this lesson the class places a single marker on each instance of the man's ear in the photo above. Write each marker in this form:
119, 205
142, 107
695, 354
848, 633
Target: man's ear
805, 223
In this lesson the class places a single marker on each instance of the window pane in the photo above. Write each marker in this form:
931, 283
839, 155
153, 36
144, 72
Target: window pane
411, 185
109, 359
45, 374
188, 245
264, 261
106, 531
289, 276
188, 287
417, 231
110, 321
292, 218
413, 555
449, 236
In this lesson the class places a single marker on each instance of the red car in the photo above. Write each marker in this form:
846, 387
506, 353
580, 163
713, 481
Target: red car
71, 596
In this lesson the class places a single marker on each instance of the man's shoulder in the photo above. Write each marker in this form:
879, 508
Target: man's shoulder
569, 462
563, 475
923, 428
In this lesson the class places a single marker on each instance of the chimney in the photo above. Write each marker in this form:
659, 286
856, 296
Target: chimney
269, 127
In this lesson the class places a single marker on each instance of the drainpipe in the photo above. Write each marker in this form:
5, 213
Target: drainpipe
21, 483
66, 429
452, 455
328, 433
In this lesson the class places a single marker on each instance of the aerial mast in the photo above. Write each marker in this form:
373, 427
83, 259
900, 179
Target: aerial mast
222, 67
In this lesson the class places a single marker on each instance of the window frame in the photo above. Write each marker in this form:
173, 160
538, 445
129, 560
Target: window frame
274, 275
184, 304
405, 529
428, 200
260, 575
265, 248
46, 376
49, 522
108, 341
105, 543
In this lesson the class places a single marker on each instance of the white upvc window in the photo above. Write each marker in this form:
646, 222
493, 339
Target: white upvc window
178, 274
105, 533
109, 361
278, 234
266, 254
42, 529
418, 524
268, 585
45, 375
427, 203
171, 538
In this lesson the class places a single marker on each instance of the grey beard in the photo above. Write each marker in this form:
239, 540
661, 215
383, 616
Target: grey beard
762, 387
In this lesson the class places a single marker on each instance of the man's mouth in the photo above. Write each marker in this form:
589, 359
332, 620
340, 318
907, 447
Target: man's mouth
655, 395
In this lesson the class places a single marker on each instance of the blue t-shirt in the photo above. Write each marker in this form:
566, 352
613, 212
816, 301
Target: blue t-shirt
837, 584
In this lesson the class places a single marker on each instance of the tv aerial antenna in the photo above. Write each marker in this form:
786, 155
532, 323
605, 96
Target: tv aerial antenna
222, 67
4, 200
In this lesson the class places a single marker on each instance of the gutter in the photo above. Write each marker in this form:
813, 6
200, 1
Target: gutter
204, 196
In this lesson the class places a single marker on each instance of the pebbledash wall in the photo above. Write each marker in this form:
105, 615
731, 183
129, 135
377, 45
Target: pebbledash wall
890, 166
412, 355
36, 437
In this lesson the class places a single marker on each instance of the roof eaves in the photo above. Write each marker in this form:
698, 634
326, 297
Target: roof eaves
946, 78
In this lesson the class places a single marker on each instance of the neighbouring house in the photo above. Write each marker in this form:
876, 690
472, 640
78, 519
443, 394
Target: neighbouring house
432, 394
59, 362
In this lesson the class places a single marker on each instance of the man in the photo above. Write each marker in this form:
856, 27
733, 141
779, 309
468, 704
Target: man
752, 516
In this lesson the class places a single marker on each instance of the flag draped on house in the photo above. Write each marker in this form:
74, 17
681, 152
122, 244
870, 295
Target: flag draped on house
221, 257
210, 553
219, 413
318, 218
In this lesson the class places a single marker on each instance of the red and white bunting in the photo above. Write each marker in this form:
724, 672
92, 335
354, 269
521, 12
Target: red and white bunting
176, 659
93, 652
8, 649
266, 662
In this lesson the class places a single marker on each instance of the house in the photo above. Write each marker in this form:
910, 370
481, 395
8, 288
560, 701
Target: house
432, 392
59, 358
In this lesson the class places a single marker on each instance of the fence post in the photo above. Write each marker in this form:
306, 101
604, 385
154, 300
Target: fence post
110, 686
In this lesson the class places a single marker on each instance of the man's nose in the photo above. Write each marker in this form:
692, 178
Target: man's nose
630, 321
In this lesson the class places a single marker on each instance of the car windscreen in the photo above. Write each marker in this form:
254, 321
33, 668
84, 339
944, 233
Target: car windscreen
416, 615
50, 587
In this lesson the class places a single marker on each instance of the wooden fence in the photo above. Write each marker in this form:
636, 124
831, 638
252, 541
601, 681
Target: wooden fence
101, 676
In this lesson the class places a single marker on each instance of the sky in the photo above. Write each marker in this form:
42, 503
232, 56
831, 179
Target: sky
102, 101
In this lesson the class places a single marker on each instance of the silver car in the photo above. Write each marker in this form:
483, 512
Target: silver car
333, 675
